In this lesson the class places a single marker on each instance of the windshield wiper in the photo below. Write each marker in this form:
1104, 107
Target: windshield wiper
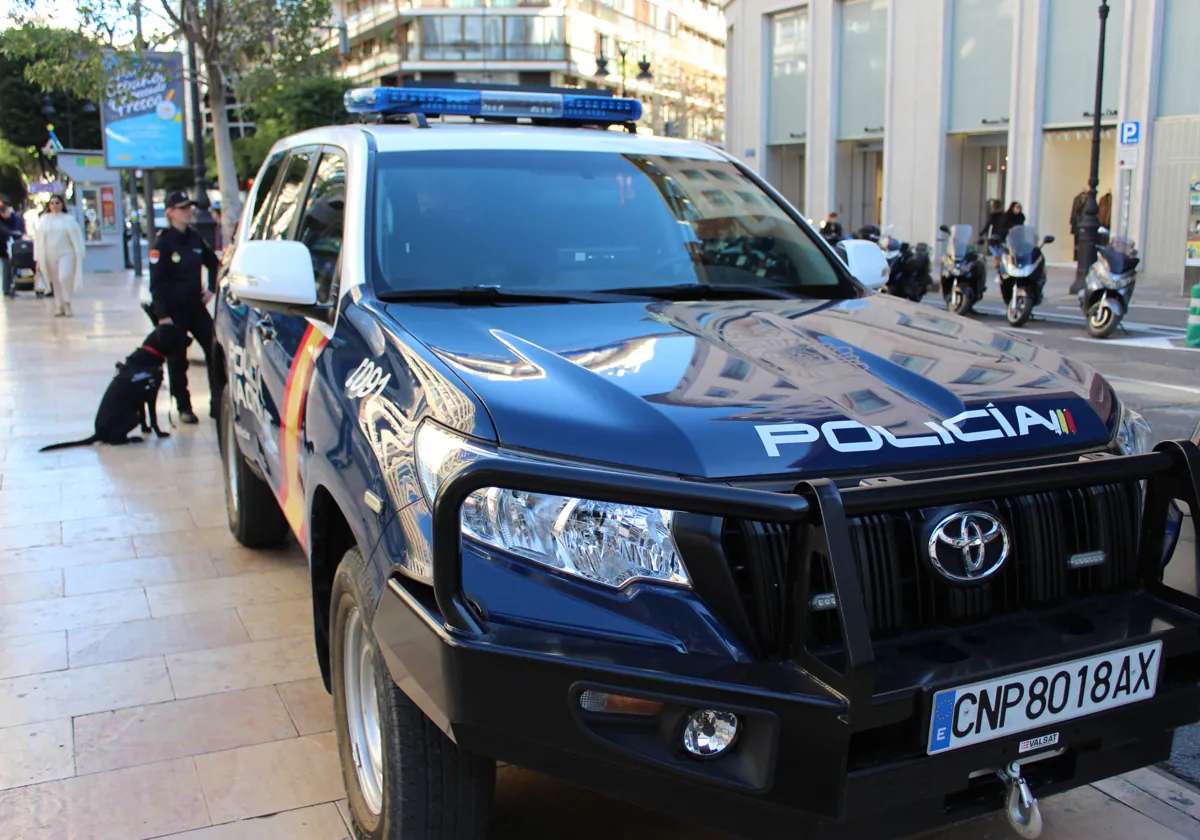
702, 291
490, 294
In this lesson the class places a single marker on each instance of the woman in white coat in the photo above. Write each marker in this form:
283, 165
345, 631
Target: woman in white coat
58, 248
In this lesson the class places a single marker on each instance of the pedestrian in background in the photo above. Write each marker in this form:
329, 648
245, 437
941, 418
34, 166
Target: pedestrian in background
1014, 217
996, 230
12, 228
178, 296
59, 250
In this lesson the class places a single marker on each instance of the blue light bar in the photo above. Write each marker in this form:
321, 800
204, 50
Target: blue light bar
493, 103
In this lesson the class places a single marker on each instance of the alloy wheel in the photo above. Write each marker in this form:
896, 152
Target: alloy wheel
362, 710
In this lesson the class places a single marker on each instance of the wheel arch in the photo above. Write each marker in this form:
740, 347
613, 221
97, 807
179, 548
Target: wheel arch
330, 537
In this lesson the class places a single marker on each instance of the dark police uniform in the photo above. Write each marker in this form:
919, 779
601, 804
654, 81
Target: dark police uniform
175, 263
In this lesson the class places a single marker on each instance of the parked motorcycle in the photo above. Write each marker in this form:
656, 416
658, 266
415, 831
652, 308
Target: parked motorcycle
1022, 275
964, 276
910, 267
1110, 281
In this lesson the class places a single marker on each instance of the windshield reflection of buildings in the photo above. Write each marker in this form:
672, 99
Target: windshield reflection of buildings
771, 361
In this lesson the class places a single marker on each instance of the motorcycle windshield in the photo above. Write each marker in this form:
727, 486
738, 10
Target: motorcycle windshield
892, 238
1119, 254
1021, 243
961, 237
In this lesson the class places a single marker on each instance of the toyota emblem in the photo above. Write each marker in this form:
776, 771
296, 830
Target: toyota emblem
968, 546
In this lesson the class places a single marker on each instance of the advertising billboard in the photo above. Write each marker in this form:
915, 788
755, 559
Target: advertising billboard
142, 114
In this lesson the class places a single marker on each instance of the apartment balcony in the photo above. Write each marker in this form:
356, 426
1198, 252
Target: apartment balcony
367, 70
481, 38
475, 52
408, 5
371, 18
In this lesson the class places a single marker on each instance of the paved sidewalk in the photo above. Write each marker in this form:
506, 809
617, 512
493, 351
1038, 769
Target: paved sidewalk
157, 680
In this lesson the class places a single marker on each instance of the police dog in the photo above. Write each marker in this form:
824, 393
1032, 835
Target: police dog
131, 397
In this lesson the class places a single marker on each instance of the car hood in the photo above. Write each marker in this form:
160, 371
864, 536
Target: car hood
766, 387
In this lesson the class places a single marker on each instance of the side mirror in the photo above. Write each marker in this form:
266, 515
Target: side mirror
1047, 240
944, 229
275, 275
866, 262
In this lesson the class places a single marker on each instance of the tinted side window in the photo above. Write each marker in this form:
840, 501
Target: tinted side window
262, 192
321, 225
287, 201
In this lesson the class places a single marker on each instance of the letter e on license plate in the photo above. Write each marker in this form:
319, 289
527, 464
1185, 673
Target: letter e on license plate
1039, 699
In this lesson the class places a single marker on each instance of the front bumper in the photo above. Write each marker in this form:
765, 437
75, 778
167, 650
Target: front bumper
838, 751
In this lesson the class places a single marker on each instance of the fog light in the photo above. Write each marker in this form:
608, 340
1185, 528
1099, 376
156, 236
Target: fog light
709, 733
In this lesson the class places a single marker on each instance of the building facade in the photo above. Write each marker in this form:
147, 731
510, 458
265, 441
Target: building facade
917, 113
552, 43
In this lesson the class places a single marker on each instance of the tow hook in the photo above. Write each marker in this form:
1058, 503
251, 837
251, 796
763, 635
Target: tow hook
1020, 806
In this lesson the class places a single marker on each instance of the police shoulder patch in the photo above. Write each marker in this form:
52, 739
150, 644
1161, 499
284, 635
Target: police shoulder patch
153, 255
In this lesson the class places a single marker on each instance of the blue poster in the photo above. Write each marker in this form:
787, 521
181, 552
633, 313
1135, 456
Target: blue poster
142, 114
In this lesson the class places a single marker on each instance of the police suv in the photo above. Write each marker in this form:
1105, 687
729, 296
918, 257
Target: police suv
608, 466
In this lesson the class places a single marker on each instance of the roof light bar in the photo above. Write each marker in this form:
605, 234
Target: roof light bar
495, 104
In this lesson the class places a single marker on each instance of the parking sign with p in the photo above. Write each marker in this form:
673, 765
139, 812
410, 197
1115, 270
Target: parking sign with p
1130, 133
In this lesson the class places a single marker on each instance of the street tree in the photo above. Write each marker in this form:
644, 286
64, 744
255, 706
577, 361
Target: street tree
239, 46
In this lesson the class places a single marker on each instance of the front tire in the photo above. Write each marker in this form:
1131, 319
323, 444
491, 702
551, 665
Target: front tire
255, 519
1020, 307
960, 300
405, 780
1101, 321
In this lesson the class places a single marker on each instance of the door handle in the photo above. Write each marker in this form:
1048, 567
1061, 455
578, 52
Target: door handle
266, 330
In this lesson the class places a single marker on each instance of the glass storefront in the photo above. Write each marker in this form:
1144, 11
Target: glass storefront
1178, 89
861, 82
1070, 61
981, 44
787, 96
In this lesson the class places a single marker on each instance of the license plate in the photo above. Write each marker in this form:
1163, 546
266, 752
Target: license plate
971, 714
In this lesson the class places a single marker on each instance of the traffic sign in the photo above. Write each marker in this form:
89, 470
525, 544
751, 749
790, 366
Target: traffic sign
1127, 157
1130, 133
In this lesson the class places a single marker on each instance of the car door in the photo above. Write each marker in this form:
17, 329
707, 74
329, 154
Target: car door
289, 358
236, 324
273, 337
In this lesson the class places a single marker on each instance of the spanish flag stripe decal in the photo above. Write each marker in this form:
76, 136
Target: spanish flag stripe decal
1062, 423
1070, 421
291, 422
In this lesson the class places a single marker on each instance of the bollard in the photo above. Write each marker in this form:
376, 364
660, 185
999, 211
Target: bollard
1193, 324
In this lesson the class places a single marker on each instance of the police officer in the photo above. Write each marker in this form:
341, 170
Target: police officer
177, 294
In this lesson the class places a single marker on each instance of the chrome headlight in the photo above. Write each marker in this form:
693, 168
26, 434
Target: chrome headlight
1013, 270
1109, 280
1133, 432
604, 542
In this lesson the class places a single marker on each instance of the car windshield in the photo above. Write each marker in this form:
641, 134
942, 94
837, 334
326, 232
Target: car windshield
960, 241
1022, 240
563, 222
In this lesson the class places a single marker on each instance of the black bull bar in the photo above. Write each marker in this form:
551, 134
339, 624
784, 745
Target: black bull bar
1171, 471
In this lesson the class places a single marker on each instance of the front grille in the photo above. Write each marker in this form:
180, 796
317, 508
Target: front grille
902, 594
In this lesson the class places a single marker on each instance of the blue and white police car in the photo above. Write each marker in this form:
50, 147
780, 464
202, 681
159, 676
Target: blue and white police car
607, 466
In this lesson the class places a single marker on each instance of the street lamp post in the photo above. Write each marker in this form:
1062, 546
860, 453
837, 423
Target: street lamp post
644, 74
48, 111
1089, 223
